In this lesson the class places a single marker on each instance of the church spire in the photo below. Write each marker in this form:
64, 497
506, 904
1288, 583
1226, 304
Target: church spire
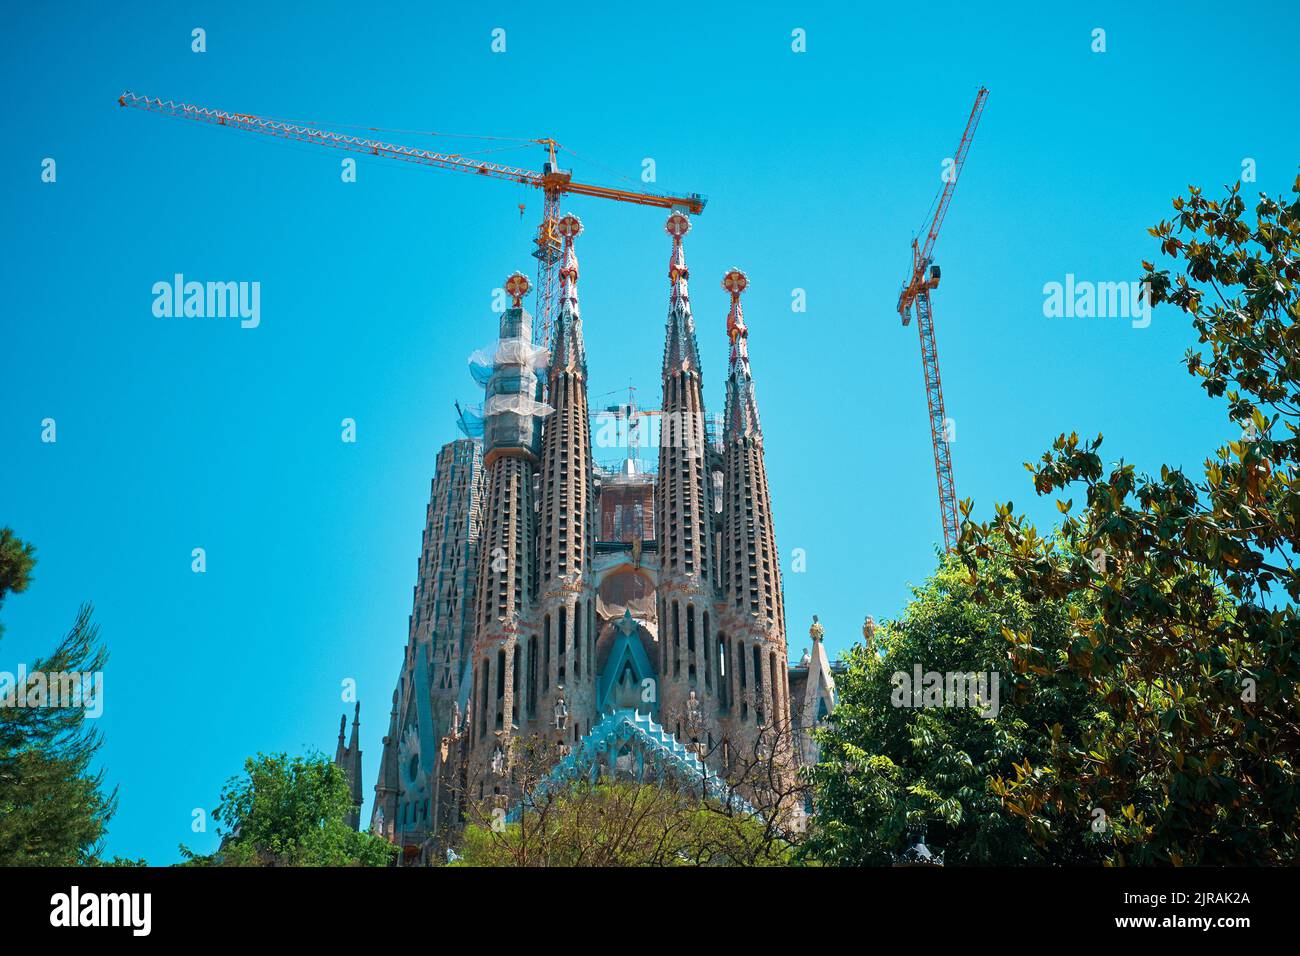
688, 655
680, 350
753, 570
742, 405
507, 566
567, 351
558, 673
349, 759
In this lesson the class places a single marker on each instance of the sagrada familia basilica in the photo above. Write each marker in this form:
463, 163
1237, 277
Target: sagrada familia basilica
625, 616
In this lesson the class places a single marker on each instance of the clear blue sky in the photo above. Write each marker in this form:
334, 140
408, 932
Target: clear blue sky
182, 433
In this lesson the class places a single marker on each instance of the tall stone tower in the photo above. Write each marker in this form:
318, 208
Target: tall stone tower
507, 577
755, 646
560, 672
444, 597
687, 658
429, 696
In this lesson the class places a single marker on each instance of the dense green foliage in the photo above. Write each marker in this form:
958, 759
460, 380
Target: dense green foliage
1150, 649
624, 824
17, 559
889, 774
53, 808
1190, 648
290, 811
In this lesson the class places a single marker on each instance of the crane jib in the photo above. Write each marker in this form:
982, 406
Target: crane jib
323, 137
553, 181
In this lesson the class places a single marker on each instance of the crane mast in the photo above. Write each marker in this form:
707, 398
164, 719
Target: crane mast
552, 181
915, 294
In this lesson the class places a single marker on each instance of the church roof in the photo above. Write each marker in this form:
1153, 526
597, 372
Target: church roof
656, 742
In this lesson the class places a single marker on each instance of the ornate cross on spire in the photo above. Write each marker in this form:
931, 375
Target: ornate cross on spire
678, 226
681, 353
742, 409
569, 227
566, 347
736, 282
517, 287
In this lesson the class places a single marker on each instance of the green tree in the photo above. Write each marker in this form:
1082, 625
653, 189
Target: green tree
16, 562
53, 808
290, 811
1190, 644
622, 823
889, 772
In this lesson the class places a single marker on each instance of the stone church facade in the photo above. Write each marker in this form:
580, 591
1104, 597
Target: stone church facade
559, 601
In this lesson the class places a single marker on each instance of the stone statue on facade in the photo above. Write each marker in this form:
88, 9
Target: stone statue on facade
694, 716
498, 760
561, 712
816, 631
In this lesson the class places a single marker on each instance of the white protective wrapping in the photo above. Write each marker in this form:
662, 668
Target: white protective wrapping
515, 404
506, 352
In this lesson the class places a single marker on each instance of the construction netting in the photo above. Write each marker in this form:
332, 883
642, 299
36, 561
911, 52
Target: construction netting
521, 352
472, 417
508, 370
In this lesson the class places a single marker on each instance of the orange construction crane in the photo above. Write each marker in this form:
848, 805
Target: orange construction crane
916, 290
552, 180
